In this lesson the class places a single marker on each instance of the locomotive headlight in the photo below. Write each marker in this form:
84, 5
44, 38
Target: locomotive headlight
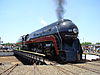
75, 30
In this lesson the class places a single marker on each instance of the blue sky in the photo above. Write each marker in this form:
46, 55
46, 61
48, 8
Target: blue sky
20, 17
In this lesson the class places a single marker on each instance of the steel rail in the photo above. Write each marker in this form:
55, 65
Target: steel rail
64, 70
36, 68
11, 69
86, 68
93, 64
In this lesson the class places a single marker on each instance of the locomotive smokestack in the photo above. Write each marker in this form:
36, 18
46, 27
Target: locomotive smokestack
60, 8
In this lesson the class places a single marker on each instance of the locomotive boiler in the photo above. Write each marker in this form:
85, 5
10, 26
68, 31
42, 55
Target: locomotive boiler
58, 41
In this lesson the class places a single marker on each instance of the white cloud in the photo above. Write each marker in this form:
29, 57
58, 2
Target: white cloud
43, 22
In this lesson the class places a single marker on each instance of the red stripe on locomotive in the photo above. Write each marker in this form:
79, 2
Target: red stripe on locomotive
45, 38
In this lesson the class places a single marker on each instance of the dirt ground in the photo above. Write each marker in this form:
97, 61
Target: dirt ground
88, 68
9, 60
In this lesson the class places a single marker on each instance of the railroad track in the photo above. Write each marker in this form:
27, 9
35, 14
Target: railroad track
30, 57
86, 68
64, 70
39, 57
93, 64
56, 66
97, 61
36, 69
9, 70
33, 57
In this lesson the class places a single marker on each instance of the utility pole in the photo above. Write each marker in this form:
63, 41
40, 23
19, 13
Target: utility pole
0, 41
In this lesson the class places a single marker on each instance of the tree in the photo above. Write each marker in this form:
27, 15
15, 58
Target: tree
98, 43
8, 44
86, 43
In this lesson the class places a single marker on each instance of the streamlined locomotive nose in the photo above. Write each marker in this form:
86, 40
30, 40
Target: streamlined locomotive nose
68, 30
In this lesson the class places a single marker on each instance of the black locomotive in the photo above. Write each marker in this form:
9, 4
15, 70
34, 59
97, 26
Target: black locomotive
57, 40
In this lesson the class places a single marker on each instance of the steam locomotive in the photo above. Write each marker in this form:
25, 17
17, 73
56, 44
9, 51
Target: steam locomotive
58, 41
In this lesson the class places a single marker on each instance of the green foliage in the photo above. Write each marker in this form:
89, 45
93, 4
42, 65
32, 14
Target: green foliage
8, 44
86, 43
98, 43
